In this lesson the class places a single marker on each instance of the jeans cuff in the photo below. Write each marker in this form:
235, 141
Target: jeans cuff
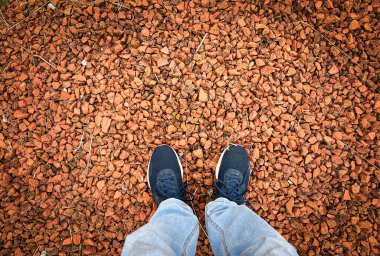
223, 200
175, 201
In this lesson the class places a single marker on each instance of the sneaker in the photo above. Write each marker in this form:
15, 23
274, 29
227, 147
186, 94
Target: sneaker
165, 174
232, 174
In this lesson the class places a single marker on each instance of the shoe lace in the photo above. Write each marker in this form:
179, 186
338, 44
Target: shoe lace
232, 188
168, 189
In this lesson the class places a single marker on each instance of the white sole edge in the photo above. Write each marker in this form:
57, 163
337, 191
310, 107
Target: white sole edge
220, 161
179, 162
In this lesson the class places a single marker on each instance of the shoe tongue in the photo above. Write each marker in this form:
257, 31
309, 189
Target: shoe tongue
233, 178
167, 181
166, 172
232, 173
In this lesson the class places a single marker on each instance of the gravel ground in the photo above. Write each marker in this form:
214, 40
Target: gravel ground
88, 89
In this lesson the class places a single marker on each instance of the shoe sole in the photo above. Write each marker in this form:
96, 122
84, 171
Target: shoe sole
221, 158
179, 162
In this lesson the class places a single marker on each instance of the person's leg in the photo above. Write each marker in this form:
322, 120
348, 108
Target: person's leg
233, 229
173, 230
236, 230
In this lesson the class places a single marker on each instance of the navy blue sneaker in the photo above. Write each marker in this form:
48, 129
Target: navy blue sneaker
232, 174
165, 174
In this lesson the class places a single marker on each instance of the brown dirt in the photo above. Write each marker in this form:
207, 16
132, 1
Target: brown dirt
296, 83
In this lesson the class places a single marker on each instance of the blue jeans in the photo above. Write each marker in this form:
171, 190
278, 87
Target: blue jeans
232, 230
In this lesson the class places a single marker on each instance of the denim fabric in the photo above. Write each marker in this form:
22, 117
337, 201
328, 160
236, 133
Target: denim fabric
173, 230
236, 230
232, 230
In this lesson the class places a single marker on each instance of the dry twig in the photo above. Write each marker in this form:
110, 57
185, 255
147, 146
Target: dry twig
328, 40
2, 72
36, 55
89, 155
119, 5
80, 143
277, 138
200, 44
28, 16
38, 247
356, 152
4, 20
